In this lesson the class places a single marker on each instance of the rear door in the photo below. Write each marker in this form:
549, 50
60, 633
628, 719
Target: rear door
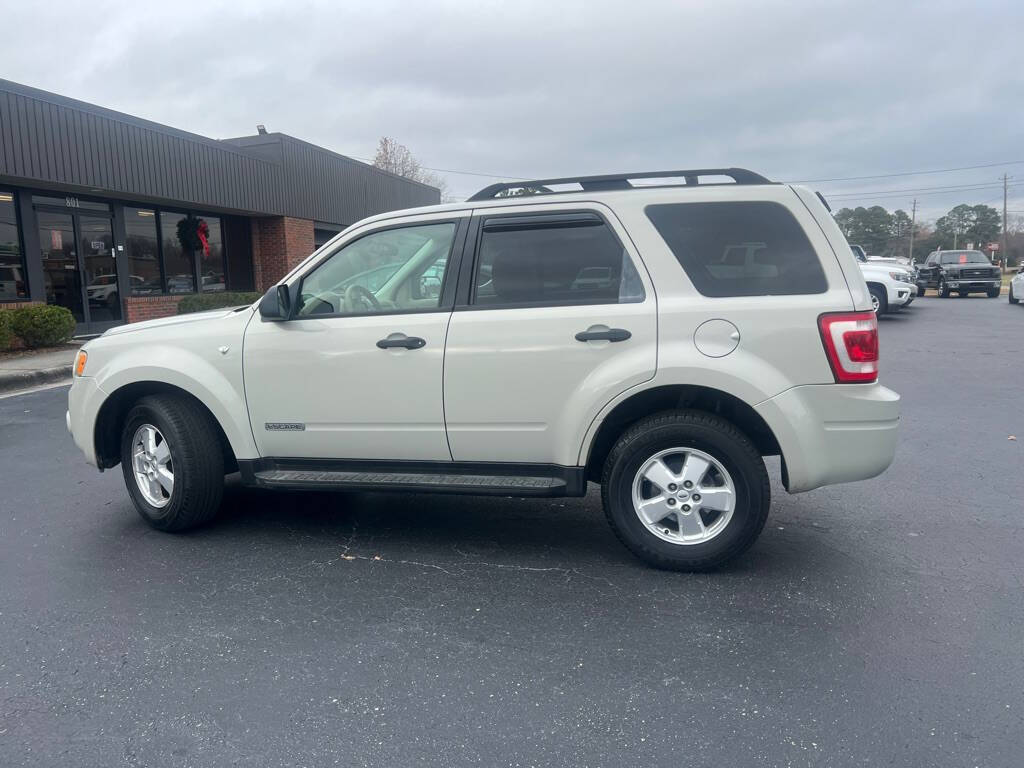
555, 317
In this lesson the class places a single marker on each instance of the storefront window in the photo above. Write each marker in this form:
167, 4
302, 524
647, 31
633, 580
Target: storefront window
141, 247
179, 267
12, 266
211, 253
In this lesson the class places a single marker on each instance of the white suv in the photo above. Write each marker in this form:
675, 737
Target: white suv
523, 344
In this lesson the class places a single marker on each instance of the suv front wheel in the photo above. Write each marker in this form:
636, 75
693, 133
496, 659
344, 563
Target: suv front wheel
685, 490
172, 461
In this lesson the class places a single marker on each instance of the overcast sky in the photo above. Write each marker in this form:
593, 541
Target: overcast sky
795, 90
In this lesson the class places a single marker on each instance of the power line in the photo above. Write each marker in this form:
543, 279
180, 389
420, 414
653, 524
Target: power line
908, 173
920, 191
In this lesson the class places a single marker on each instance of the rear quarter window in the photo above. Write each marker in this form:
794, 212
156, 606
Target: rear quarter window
740, 249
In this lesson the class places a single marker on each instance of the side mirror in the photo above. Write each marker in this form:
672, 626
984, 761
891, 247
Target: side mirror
276, 304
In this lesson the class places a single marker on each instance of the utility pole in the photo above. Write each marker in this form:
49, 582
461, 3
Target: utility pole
913, 219
1004, 257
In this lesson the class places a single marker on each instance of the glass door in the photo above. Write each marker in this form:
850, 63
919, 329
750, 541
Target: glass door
99, 267
61, 273
79, 267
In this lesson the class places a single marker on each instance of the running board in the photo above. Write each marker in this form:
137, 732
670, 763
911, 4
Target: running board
413, 476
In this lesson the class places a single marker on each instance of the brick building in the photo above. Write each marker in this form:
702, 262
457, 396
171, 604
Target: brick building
117, 218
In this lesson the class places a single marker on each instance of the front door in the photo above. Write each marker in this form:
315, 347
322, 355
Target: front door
79, 267
356, 373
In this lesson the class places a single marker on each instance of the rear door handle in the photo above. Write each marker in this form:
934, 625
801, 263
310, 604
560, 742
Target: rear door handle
598, 333
402, 341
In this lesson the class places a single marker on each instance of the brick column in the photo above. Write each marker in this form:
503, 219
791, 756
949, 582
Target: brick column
278, 244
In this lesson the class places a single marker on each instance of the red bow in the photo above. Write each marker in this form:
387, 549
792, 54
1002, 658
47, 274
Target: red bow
203, 230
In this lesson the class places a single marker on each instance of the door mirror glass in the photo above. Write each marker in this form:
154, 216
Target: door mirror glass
276, 304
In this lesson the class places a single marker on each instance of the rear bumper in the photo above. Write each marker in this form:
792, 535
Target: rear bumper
833, 433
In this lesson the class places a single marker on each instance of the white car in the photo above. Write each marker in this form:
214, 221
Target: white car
891, 286
1017, 287
657, 339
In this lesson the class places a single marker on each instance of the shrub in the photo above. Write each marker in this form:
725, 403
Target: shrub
201, 302
42, 325
6, 334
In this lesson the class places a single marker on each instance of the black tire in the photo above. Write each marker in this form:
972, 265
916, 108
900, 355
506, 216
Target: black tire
994, 293
712, 435
1012, 298
196, 457
962, 294
943, 289
878, 292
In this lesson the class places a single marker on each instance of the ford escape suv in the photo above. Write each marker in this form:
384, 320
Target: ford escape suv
658, 338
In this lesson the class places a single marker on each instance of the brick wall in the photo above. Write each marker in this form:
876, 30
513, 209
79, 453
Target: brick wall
278, 244
138, 308
16, 304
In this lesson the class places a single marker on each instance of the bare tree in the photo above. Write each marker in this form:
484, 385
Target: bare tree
394, 157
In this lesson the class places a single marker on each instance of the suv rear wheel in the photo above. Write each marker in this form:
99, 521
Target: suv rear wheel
685, 490
172, 462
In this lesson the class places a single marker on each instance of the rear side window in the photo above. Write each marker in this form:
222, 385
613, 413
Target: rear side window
553, 260
740, 249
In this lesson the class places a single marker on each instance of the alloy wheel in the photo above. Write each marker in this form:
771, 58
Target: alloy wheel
152, 466
684, 496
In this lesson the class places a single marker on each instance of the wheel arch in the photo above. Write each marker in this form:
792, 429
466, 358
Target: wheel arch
668, 397
112, 414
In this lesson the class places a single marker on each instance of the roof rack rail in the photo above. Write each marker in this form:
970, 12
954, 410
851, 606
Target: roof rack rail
621, 181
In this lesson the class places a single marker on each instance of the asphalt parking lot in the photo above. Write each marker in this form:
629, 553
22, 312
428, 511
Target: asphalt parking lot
875, 623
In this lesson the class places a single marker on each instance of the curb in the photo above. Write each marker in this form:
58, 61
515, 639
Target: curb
16, 380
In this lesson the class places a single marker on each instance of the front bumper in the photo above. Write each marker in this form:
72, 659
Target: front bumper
955, 284
900, 293
833, 433
84, 401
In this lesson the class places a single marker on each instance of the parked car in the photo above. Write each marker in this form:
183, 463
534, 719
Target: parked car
891, 286
588, 335
103, 290
961, 271
1017, 286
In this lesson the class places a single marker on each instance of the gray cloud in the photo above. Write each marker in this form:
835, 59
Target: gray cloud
794, 89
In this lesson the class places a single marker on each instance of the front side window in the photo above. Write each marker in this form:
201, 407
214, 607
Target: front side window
553, 260
740, 249
394, 270
12, 267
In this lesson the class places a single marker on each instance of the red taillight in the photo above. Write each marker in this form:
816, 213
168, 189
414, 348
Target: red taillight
851, 343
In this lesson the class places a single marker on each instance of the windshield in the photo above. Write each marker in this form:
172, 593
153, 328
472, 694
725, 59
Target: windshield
964, 257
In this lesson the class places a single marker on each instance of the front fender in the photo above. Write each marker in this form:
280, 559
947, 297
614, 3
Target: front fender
202, 359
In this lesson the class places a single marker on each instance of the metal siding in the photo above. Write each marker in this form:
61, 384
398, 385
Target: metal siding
46, 138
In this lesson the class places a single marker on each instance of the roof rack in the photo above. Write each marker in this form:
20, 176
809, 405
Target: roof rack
621, 181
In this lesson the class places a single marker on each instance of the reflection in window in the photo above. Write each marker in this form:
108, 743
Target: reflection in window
12, 267
211, 253
177, 236
142, 251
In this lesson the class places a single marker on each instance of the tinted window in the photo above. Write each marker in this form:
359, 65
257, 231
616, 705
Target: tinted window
142, 250
211, 253
964, 257
553, 262
179, 268
12, 267
740, 249
395, 270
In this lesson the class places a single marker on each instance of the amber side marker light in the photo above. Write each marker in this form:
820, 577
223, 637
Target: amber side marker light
80, 359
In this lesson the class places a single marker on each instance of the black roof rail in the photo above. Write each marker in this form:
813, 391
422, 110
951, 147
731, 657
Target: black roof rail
621, 181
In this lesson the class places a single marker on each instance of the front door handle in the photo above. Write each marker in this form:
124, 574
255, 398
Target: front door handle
401, 340
599, 333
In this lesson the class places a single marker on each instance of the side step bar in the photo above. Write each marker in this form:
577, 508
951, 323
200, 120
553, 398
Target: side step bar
414, 476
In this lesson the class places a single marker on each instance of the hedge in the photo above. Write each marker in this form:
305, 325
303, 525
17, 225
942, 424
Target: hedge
42, 325
201, 302
6, 334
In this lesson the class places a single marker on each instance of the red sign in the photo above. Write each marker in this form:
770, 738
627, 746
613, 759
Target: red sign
993, 246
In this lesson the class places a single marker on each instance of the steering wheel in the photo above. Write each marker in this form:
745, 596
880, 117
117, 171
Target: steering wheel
356, 295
